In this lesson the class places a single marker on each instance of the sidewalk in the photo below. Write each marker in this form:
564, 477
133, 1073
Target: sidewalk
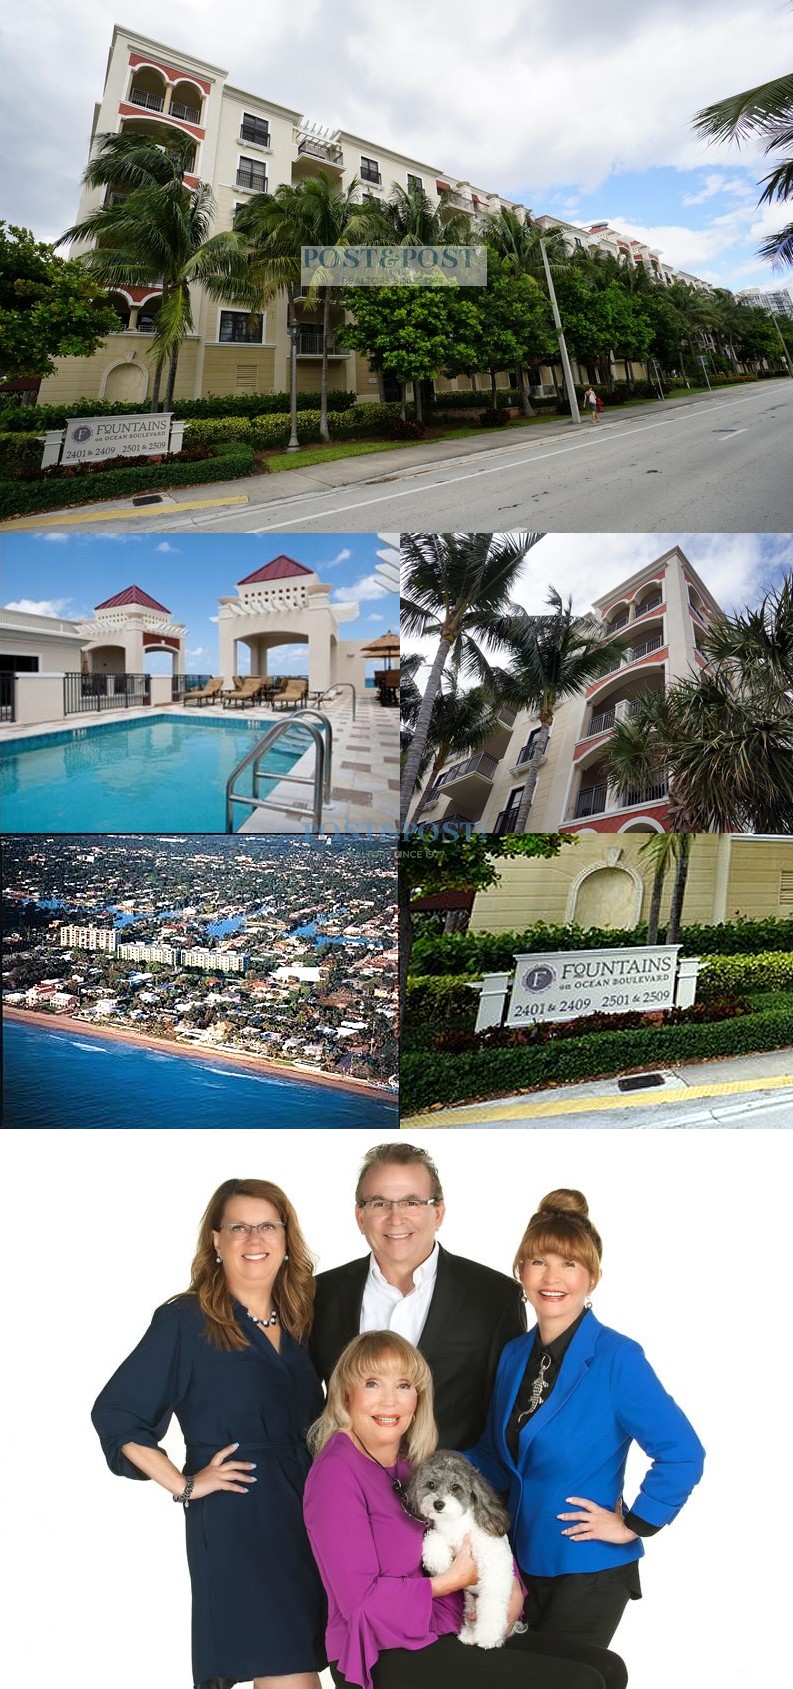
737, 1091
372, 468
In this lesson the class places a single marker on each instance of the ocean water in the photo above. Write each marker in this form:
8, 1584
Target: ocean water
56, 1076
162, 774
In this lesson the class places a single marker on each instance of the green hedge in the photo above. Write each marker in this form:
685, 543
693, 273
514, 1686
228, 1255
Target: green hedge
453, 401
26, 498
16, 418
426, 1079
771, 970
474, 953
20, 448
441, 999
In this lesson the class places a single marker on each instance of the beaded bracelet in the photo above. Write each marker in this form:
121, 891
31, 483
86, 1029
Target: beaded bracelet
184, 1498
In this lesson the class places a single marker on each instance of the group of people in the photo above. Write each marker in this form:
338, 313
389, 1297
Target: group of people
300, 1548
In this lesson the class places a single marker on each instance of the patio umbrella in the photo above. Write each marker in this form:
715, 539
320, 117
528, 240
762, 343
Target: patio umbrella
386, 646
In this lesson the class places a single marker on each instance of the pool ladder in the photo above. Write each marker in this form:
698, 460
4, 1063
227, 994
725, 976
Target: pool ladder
320, 733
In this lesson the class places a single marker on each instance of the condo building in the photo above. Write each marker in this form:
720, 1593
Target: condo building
778, 301
211, 961
662, 610
88, 938
244, 144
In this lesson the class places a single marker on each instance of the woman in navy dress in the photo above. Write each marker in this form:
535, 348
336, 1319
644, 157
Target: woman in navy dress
227, 1358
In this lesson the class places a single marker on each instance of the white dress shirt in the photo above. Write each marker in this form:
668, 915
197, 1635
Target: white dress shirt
386, 1309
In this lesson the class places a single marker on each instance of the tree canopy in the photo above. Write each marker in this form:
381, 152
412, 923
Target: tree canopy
49, 307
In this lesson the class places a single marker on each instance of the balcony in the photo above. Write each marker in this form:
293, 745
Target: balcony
601, 723
142, 97
645, 794
456, 202
591, 800
310, 346
505, 821
654, 643
188, 114
649, 604
327, 152
621, 622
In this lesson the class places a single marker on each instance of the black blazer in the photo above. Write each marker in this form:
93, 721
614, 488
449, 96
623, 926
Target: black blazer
474, 1311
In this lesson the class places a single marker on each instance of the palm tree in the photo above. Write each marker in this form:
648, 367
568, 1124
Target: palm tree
724, 743
456, 587
315, 212
765, 114
663, 851
460, 722
758, 641
517, 244
159, 235
408, 218
550, 658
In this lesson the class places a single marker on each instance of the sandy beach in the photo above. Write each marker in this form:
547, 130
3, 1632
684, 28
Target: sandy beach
170, 1046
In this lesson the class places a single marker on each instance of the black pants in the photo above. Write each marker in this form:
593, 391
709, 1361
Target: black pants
586, 1606
558, 1663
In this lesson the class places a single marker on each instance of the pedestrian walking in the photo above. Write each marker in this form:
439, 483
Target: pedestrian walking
591, 399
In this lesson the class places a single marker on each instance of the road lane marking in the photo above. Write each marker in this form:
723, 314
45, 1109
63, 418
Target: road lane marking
473, 1115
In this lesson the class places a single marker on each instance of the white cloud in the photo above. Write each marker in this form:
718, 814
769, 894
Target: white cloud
165, 546
333, 562
40, 606
366, 587
53, 539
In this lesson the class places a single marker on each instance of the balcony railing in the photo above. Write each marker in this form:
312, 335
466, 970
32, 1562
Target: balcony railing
601, 722
325, 150
591, 800
181, 683
310, 345
83, 692
621, 622
482, 764
645, 794
505, 821
652, 644
650, 604
141, 97
506, 717
189, 114
250, 178
526, 751
7, 696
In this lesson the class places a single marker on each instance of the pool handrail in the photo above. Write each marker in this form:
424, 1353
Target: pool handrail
337, 684
322, 738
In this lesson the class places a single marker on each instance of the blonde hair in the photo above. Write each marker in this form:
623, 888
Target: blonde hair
362, 1357
294, 1288
562, 1226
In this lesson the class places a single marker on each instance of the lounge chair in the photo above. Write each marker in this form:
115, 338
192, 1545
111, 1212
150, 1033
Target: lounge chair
292, 694
248, 692
206, 694
387, 684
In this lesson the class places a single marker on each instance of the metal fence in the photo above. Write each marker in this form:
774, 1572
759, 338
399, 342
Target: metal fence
591, 801
83, 692
7, 696
181, 683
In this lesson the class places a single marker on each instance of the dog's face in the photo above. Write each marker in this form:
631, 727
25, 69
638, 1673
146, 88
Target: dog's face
445, 1486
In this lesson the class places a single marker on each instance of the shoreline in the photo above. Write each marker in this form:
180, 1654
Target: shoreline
170, 1046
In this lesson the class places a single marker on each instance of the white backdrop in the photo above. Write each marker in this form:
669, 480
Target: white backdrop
100, 1227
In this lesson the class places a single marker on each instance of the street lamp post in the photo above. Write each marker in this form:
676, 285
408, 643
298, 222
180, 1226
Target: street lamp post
293, 329
786, 354
568, 374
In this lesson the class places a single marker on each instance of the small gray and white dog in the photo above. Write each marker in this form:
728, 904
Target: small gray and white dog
457, 1502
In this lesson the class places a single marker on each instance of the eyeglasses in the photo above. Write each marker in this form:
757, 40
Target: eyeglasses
265, 1228
404, 1204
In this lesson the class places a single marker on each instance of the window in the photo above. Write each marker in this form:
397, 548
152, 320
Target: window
252, 174
415, 182
19, 665
255, 129
240, 325
370, 171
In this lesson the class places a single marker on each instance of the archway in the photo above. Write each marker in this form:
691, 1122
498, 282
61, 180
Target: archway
125, 383
609, 895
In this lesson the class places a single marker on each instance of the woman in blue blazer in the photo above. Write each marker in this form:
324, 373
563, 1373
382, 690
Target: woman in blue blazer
569, 1399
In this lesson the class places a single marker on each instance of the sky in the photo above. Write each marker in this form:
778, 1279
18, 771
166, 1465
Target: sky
64, 574
578, 110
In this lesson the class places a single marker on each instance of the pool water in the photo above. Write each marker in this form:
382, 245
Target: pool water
159, 774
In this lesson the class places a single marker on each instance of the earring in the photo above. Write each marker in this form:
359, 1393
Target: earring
588, 1303
217, 1260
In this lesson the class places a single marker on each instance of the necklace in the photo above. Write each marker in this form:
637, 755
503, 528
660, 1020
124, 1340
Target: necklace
396, 1483
258, 1320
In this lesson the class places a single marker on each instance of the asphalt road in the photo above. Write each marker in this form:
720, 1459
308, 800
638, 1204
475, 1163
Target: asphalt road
713, 464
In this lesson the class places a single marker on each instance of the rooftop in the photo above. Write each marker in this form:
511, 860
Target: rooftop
132, 595
278, 570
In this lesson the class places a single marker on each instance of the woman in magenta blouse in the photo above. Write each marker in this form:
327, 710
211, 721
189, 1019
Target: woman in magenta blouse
390, 1625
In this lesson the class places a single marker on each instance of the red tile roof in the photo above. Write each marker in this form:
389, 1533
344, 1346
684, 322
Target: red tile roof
132, 595
278, 570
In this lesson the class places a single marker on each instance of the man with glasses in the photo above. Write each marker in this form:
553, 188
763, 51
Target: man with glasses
457, 1312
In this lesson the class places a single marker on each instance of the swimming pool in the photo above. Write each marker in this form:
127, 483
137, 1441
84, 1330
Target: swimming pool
157, 774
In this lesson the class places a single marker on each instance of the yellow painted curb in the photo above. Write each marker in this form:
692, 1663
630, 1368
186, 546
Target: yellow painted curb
72, 518
584, 1105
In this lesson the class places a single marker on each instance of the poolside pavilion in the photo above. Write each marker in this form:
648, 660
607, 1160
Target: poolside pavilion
285, 603
127, 628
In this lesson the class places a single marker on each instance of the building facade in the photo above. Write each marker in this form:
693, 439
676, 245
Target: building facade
89, 938
779, 300
663, 609
609, 884
244, 144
